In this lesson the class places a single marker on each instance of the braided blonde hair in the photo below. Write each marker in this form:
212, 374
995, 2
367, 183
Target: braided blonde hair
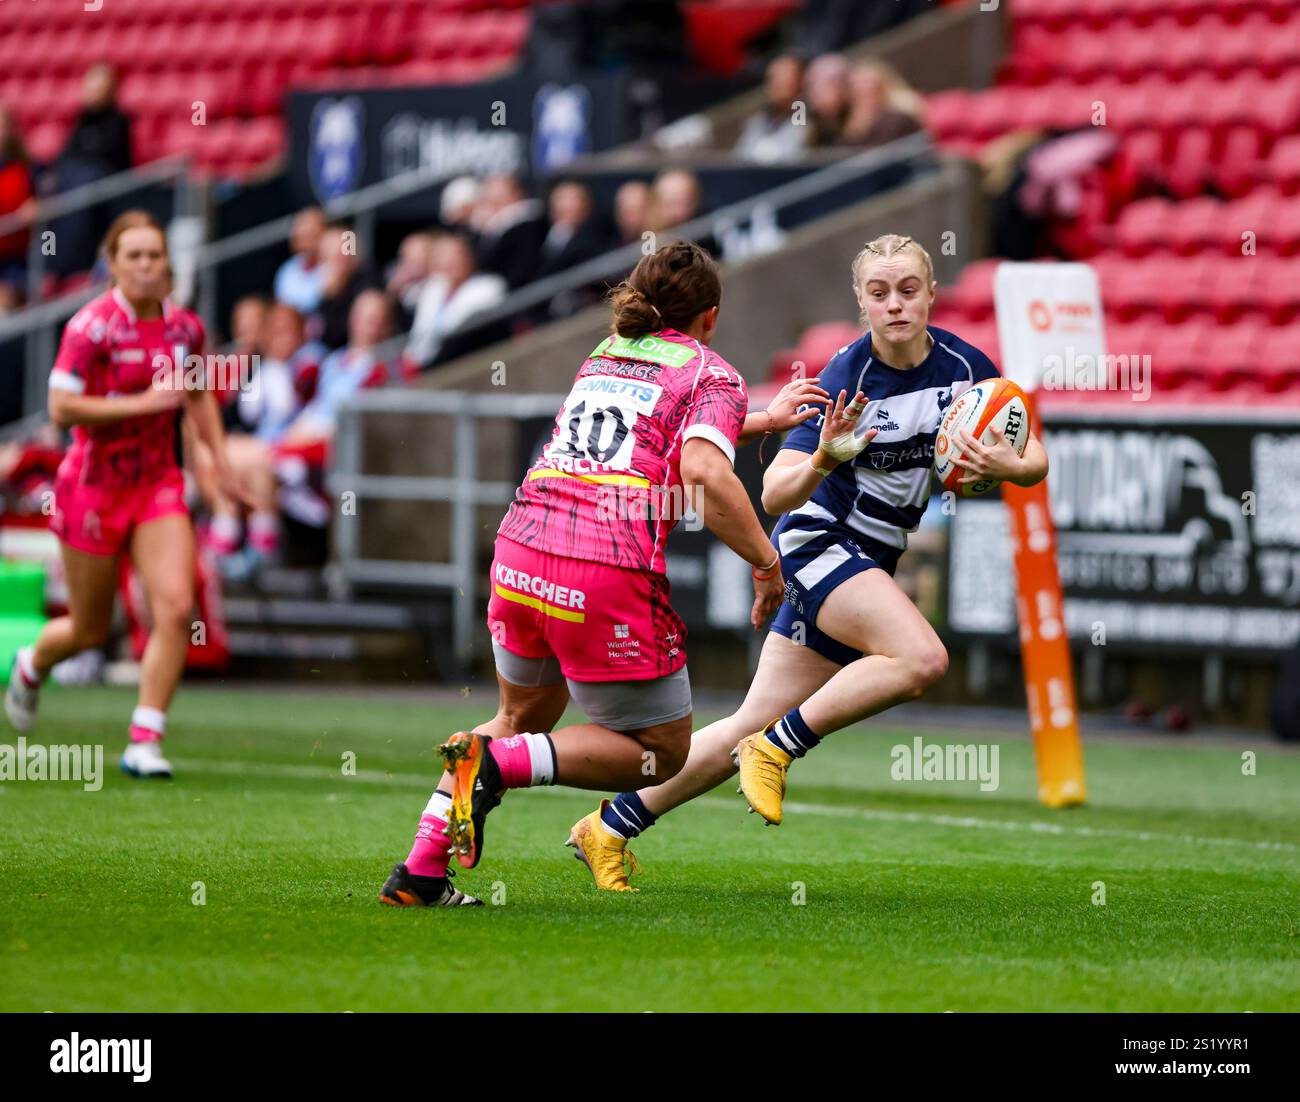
886, 246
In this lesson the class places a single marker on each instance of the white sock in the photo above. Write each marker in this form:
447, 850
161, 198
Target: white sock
151, 719
439, 804
541, 755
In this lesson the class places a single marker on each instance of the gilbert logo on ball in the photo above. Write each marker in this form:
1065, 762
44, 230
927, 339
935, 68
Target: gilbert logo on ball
991, 404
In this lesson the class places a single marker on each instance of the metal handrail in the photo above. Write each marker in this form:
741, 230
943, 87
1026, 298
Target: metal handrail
623, 259
46, 313
464, 491
98, 191
357, 202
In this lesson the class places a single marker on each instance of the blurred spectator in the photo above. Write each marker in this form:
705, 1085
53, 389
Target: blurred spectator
877, 114
511, 229
453, 294
675, 199
10, 299
1049, 192
406, 277
459, 202
288, 370
298, 282
15, 198
247, 320
632, 211
827, 92
101, 136
771, 134
343, 278
247, 323
345, 371
286, 377
578, 233
99, 145
1065, 189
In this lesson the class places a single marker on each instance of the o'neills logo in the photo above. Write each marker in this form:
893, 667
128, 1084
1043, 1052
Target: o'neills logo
86, 1054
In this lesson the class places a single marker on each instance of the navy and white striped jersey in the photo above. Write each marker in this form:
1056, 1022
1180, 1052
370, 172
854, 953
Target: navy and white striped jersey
884, 491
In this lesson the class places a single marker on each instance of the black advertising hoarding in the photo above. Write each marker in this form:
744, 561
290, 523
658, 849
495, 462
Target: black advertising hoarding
346, 139
1176, 530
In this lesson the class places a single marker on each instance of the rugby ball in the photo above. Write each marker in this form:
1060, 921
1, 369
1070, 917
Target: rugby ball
992, 403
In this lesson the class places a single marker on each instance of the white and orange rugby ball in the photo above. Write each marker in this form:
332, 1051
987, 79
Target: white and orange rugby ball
990, 404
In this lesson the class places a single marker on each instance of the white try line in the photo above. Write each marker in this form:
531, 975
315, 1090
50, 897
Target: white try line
960, 822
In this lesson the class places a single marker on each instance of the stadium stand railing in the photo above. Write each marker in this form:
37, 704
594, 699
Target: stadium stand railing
38, 326
463, 491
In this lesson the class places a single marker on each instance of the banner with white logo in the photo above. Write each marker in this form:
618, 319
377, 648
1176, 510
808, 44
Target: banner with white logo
1049, 322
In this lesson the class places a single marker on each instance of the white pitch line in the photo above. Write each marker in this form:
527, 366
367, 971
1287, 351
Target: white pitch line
962, 822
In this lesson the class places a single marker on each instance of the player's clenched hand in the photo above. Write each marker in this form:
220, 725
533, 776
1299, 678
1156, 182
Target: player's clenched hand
785, 410
769, 592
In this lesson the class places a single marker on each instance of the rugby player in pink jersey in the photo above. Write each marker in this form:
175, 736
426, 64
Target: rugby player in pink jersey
128, 363
580, 603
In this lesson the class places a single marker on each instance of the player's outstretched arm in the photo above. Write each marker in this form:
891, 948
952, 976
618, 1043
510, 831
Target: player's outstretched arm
719, 498
794, 475
205, 414
67, 408
795, 403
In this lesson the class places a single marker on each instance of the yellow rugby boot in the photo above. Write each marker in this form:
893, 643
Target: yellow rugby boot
476, 789
606, 855
762, 774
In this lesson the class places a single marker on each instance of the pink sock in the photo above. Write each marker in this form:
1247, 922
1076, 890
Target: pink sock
148, 724
429, 852
524, 760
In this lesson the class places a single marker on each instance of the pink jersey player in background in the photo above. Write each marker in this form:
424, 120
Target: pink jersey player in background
129, 361
580, 604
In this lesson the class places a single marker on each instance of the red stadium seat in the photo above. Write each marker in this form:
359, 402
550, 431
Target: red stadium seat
972, 296
1283, 165
820, 342
1145, 226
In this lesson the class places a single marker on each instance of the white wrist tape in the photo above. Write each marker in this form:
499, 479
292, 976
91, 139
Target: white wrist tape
848, 444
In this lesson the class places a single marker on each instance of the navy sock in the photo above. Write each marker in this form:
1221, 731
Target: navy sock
627, 816
793, 735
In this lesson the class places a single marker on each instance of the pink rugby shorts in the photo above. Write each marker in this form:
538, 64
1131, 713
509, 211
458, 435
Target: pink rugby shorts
602, 623
99, 520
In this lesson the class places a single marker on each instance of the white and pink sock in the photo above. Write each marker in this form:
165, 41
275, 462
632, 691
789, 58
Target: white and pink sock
430, 851
223, 534
148, 724
264, 532
27, 670
524, 760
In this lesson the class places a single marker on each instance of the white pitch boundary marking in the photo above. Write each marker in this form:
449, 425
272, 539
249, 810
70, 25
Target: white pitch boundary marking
962, 822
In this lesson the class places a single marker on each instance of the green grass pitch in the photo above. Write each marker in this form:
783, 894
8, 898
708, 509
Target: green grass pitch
873, 895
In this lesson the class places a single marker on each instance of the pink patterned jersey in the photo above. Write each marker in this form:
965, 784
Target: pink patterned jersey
106, 351
607, 488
